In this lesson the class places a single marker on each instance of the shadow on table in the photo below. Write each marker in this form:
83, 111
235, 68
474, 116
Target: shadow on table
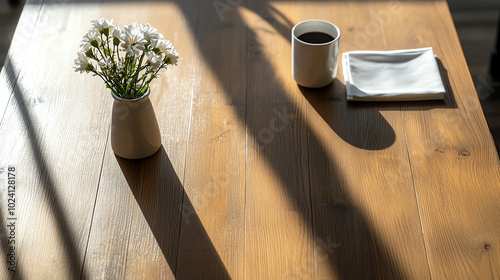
364, 128
306, 171
449, 98
355, 252
166, 207
46, 178
360, 123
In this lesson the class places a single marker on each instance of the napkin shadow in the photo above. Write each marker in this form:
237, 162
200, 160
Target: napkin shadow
449, 99
363, 127
167, 208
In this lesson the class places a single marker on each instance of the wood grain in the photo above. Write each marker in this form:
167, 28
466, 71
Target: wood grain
278, 206
459, 204
212, 244
48, 151
257, 178
135, 232
16, 56
366, 222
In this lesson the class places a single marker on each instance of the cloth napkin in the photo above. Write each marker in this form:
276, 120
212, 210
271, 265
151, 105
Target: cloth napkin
392, 75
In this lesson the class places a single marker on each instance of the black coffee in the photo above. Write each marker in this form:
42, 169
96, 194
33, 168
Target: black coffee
316, 37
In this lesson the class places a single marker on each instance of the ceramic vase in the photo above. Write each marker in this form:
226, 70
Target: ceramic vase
134, 129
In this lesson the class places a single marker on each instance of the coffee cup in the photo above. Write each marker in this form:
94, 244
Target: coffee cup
315, 51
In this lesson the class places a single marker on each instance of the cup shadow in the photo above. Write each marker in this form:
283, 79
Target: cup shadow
364, 128
166, 208
376, 133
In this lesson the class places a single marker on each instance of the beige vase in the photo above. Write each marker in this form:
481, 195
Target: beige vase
134, 129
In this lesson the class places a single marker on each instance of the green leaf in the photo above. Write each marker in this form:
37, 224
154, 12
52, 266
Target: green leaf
116, 41
90, 54
127, 89
151, 78
94, 44
105, 31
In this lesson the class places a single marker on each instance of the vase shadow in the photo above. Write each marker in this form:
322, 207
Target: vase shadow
166, 208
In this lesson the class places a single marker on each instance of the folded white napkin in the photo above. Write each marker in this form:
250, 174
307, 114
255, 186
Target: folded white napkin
392, 75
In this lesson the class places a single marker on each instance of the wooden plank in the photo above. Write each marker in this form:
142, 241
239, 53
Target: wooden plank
212, 243
366, 222
135, 232
454, 163
8, 81
54, 131
279, 242
19, 47
256, 178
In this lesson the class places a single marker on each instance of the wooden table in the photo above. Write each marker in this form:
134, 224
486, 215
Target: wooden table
256, 178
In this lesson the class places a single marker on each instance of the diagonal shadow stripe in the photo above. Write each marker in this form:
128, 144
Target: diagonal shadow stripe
158, 191
362, 251
46, 178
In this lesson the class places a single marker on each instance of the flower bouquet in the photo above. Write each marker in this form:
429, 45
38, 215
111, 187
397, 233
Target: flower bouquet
127, 58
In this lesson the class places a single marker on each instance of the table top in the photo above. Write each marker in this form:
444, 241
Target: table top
256, 178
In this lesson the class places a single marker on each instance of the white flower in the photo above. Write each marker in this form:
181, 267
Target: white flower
161, 45
116, 36
119, 53
101, 24
91, 38
150, 32
132, 40
117, 32
85, 46
156, 60
82, 63
131, 27
173, 56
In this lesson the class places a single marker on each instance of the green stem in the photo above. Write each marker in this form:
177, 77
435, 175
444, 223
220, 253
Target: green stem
103, 46
102, 55
143, 78
139, 68
103, 78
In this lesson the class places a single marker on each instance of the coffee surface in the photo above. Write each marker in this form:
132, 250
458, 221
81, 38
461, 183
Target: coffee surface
316, 37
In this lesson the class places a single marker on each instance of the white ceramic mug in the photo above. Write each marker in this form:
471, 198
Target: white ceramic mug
314, 65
